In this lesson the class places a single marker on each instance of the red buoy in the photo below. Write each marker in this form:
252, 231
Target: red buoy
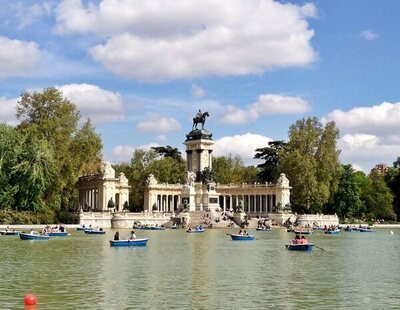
30, 300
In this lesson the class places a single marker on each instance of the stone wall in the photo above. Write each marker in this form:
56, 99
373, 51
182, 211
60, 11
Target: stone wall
317, 220
122, 219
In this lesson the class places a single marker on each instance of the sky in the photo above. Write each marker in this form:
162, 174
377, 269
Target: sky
141, 69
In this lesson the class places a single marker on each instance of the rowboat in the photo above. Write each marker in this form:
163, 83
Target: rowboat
133, 242
58, 233
299, 247
263, 229
95, 232
302, 232
10, 232
238, 237
196, 230
157, 228
365, 230
84, 228
25, 236
138, 227
332, 232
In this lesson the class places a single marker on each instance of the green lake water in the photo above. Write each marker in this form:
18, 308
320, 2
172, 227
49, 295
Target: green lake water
177, 270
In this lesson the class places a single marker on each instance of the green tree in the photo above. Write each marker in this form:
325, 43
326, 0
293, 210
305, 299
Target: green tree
137, 173
49, 116
347, 199
10, 148
168, 170
168, 151
311, 164
392, 179
32, 175
228, 169
269, 171
379, 199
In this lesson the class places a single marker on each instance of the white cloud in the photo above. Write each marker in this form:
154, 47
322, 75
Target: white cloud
93, 102
267, 104
156, 123
380, 119
30, 14
123, 153
368, 35
17, 58
242, 145
235, 115
194, 38
198, 91
370, 135
366, 150
270, 104
8, 110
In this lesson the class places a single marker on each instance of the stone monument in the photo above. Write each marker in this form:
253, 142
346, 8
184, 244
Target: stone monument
199, 190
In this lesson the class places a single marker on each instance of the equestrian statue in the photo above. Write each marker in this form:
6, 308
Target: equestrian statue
200, 118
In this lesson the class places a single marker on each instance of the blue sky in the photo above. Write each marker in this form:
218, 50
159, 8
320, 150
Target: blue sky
141, 69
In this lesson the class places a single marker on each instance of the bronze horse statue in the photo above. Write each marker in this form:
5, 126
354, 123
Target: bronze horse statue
200, 118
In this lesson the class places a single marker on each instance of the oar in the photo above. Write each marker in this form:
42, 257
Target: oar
318, 247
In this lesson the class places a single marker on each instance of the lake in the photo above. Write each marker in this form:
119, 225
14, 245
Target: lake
177, 270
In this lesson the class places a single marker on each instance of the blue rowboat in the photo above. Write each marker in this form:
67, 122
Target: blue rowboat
303, 232
318, 228
58, 233
238, 237
332, 232
95, 232
10, 232
263, 229
299, 247
196, 230
84, 228
133, 242
157, 228
365, 230
24, 236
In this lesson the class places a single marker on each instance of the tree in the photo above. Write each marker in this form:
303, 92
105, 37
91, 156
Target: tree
392, 178
168, 151
168, 170
347, 199
378, 199
228, 169
269, 169
32, 175
10, 148
137, 172
49, 116
311, 163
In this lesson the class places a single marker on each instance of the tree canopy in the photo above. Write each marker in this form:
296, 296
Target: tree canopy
43, 156
311, 163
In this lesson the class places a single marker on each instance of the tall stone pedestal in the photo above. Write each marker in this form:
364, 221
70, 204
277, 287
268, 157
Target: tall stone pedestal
212, 197
188, 198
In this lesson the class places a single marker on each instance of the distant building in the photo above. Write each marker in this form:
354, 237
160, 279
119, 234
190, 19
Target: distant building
381, 169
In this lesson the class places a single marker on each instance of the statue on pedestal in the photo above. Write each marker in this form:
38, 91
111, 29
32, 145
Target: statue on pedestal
200, 118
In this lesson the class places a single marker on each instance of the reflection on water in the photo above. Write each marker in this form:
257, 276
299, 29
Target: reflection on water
202, 271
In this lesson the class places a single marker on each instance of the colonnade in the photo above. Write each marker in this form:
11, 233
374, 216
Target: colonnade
167, 203
250, 203
89, 198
